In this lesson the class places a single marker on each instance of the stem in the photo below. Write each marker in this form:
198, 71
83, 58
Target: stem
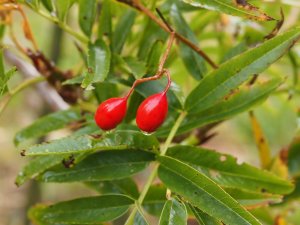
169, 81
6, 99
160, 70
178, 36
153, 174
62, 25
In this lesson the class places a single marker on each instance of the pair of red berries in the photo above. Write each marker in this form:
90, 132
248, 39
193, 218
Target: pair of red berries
150, 114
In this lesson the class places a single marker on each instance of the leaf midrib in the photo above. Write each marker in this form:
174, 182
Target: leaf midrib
209, 193
234, 76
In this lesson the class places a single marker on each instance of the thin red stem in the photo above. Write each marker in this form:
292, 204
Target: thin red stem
160, 72
169, 80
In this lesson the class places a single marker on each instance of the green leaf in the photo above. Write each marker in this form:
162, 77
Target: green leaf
293, 158
123, 29
90, 210
148, 88
87, 14
192, 60
79, 144
137, 68
247, 198
152, 34
154, 57
155, 199
225, 170
105, 90
2, 68
296, 193
33, 3
105, 24
135, 100
126, 186
48, 123
36, 167
48, 5
98, 63
4, 78
202, 192
245, 98
232, 8
235, 71
174, 213
104, 165
139, 219
203, 218
62, 8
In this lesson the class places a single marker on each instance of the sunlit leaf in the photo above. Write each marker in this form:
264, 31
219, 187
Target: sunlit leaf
202, 192
230, 7
235, 71
225, 170
104, 165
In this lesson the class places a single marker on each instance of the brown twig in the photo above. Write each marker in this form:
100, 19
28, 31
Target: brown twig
137, 5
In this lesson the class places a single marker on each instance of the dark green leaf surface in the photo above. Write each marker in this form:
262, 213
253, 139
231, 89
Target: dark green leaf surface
78, 144
148, 88
105, 165
294, 158
203, 218
136, 68
235, 71
154, 57
152, 34
105, 90
126, 186
62, 8
48, 123
247, 198
202, 192
231, 8
105, 23
90, 210
155, 199
48, 5
139, 219
174, 213
192, 60
4, 78
243, 100
98, 63
87, 13
225, 170
2, 68
123, 29
37, 166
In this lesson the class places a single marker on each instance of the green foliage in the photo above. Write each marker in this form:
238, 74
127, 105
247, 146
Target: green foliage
98, 63
90, 210
122, 41
202, 192
48, 123
174, 212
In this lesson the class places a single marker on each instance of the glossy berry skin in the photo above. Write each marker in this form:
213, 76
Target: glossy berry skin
152, 112
110, 113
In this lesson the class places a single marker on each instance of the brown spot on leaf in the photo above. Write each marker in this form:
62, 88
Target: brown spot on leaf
257, 13
22, 153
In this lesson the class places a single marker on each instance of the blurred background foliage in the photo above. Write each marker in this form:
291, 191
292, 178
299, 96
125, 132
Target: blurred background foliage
220, 36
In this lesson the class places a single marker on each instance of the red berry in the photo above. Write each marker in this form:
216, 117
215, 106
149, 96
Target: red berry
110, 113
152, 112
